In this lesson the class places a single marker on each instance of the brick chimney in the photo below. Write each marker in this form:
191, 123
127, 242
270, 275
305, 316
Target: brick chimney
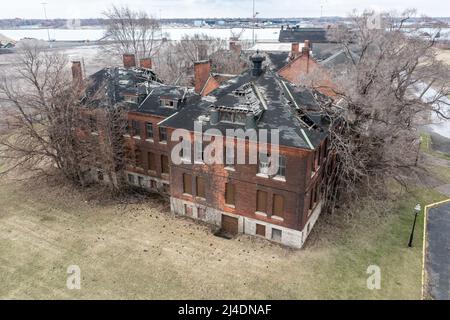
202, 71
129, 60
77, 71
306, 48
145, 63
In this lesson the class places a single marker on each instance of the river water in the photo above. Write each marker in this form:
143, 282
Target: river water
172, 33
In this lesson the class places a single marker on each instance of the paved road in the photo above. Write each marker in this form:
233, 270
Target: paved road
437, 259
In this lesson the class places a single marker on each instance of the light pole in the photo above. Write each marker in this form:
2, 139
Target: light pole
254, 22
46, 19
417, 209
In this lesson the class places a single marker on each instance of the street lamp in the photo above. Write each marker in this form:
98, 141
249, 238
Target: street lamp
417, 209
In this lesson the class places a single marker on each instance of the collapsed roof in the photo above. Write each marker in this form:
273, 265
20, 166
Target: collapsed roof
268, 101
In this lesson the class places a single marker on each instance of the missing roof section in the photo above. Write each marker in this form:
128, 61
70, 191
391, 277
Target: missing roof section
250, 99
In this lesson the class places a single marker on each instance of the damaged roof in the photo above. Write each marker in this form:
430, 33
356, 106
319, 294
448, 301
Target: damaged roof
279, 105
180, 96
110, 85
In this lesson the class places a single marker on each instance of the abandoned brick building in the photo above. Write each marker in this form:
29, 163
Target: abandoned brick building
239, 198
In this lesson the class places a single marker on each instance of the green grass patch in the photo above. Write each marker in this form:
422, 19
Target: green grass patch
426, 147
139, 252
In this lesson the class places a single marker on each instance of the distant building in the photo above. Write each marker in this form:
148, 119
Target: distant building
299, 35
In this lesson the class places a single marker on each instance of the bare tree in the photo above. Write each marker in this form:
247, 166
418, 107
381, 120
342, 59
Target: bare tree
132, 32
387, 89
176, 62
39, 125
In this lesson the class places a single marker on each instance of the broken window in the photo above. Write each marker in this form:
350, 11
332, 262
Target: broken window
226, 116
276, 235
264, 163
163, 134
136, 128
281, 166
141, 181
168, 103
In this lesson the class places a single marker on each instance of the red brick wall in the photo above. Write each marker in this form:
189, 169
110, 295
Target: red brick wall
247, 183
129, 60
147, 146
202, 70
146, 63
303, 66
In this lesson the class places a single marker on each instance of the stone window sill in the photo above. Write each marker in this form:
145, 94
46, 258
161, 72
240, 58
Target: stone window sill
280, 178
150, 140
262, 175
262, 214
137, 137
277, 218
229, 168
231, 206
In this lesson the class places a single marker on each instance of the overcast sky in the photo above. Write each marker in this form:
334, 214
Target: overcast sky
216, 8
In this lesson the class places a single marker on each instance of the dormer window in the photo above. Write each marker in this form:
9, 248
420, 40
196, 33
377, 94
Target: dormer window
131, 98
226, 116
168, 103
234, 117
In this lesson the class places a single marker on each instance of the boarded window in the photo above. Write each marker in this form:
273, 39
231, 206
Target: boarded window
187, 183
261, 201
200, 183
278, 205
229, 194
149, 129
151, 161
131, 178
260, 230
164, 164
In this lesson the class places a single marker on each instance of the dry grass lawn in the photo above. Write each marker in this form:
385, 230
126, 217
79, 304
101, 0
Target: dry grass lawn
140, 251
